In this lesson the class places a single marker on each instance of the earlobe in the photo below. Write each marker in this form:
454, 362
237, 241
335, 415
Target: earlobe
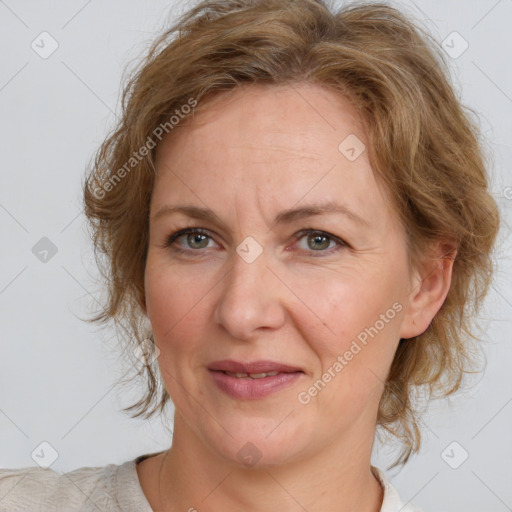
430, 288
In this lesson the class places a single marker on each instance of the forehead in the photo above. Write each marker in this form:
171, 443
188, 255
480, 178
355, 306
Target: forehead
301, 117
276, 143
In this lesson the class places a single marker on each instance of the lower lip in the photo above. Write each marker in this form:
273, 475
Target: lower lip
253, 389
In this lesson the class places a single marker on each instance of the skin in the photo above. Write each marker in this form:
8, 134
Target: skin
249, 156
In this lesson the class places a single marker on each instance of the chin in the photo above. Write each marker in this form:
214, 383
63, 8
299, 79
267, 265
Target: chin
259, 443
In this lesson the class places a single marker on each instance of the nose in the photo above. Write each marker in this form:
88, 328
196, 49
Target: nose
250, 299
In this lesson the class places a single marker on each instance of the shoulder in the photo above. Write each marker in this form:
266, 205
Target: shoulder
392, 501
25, 488
84, 489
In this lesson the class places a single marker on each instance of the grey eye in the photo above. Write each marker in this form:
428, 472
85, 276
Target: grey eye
197, 240
318, 242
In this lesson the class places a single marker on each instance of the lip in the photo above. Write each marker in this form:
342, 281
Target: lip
259, 366
252, 389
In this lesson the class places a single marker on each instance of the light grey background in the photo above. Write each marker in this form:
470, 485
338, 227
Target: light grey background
57, 373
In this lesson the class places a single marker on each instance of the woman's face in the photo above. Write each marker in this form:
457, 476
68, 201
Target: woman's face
325, 294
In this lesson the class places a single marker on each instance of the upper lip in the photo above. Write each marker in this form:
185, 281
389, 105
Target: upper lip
260, 366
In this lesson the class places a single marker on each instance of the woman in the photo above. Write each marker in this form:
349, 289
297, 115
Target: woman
296, 202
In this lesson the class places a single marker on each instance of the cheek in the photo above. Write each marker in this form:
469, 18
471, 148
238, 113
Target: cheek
352, 363
175, 306
176, 309
341, 306
356, 334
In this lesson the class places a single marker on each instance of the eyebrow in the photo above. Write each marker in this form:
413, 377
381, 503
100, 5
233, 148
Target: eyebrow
284, 217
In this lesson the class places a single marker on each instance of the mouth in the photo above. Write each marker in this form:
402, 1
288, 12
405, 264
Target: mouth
252, 375
252, 380
252, 368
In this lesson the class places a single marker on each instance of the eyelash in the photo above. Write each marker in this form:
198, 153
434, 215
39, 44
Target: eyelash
308, 231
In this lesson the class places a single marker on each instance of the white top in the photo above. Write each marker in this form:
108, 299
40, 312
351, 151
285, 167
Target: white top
111, 488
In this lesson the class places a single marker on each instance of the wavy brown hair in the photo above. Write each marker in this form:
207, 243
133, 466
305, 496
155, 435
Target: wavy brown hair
423, 145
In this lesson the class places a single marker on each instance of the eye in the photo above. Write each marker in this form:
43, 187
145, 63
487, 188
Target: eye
193, 238
320, 241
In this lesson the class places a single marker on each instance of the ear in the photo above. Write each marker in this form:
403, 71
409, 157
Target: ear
429, 287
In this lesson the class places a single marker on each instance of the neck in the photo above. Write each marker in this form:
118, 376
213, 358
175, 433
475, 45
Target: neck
193, 477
